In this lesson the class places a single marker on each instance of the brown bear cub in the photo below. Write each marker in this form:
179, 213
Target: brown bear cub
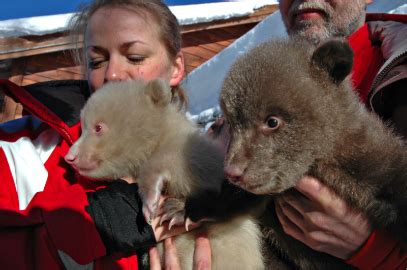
132, 129
292, 112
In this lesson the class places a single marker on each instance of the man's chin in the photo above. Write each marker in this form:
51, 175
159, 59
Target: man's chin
308, 21
313, 33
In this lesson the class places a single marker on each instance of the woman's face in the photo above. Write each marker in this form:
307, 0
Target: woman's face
124, 45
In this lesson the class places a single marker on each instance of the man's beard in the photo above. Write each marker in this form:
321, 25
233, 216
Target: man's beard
316, 31
309, 31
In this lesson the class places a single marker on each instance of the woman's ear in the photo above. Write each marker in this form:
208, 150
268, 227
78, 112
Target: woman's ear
178, 70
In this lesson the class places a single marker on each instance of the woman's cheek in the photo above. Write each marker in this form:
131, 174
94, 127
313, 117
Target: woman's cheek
154, 72
95, 80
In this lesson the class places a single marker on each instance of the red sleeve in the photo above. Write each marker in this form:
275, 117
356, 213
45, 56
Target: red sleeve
52, 222
381, 251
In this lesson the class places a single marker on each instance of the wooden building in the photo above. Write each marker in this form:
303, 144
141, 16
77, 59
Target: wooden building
31, 59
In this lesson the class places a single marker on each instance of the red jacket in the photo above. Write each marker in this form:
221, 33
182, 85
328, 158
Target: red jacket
380, 65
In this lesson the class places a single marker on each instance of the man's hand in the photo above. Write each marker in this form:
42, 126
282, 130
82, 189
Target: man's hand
322, 220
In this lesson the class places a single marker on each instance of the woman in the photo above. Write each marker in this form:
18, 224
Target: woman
50, 217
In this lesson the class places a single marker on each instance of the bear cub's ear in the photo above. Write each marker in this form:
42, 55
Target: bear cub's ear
159, 92
336, 58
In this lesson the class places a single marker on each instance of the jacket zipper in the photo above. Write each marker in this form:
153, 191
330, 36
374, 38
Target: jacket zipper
384, 72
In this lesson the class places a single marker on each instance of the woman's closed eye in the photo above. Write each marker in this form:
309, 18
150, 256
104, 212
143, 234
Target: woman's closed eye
136, 59
95, 63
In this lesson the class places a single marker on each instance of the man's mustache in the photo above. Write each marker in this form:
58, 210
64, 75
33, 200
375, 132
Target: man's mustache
298, 6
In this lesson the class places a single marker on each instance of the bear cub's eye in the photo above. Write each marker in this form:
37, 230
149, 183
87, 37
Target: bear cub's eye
98, 128
273, 122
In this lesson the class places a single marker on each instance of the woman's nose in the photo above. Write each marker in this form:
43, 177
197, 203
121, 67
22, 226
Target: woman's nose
115, 72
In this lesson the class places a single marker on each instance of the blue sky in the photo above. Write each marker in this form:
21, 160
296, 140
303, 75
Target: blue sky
13, 9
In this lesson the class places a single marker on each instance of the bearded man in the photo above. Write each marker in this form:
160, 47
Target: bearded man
320, 219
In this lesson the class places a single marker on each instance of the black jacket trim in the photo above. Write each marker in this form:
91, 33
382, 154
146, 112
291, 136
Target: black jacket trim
65, 98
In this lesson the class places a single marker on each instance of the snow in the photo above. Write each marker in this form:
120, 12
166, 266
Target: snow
400, 10
34, 26
186, 14
216, 11
387, 6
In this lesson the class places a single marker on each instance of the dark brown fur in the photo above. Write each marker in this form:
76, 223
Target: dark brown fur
144, 136
323, 131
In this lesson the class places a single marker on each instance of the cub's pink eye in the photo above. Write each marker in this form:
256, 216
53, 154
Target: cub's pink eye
98, 128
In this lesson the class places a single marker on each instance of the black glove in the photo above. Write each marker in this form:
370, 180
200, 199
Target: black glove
116, 211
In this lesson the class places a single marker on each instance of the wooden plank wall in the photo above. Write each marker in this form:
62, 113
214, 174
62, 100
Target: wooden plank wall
32, 59
198, 47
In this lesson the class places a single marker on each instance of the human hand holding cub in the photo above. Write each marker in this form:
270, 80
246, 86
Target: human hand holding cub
322, 220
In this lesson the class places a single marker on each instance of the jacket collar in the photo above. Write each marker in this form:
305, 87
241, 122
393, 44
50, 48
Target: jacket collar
390, 31
392, 36
57, 103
